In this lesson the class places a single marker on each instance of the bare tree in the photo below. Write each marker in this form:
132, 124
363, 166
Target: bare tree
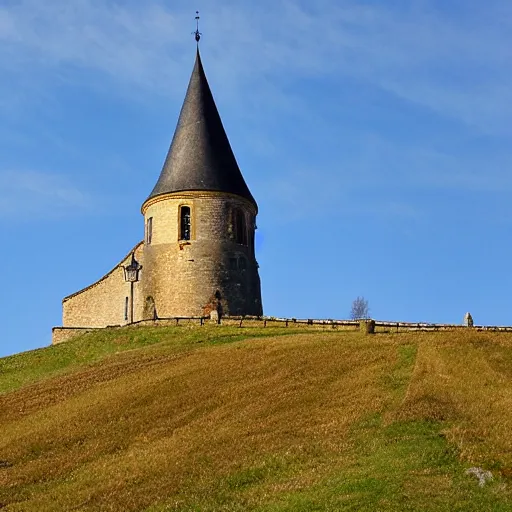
360, 309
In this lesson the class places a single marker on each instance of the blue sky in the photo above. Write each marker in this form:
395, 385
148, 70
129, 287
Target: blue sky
375, 136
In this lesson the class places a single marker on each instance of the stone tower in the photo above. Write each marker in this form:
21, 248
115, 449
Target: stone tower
200, 221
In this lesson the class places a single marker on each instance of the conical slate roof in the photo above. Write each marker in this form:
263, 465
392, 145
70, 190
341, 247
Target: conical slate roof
200, 156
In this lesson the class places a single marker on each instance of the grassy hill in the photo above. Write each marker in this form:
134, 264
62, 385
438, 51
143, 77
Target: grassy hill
275, 419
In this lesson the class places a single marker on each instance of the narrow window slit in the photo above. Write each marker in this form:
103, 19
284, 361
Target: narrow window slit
240, 227
185, 223
149, 230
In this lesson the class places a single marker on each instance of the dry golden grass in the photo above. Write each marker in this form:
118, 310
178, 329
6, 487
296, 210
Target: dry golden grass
307, 421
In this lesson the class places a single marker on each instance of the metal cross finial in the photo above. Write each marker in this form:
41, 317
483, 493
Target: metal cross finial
197, 33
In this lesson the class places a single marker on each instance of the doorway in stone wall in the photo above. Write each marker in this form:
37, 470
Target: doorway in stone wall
149, 312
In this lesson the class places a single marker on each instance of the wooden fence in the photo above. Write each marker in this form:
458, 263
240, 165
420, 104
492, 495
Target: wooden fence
61, 334
264, 321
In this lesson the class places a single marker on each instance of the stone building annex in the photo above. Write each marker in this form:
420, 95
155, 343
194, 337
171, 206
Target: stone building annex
198, 252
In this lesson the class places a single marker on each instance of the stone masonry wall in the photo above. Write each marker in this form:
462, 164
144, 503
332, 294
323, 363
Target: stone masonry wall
103, 303
62, 334
182, 278
178, 278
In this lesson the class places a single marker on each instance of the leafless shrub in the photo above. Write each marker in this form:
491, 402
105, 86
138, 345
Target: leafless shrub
360, 309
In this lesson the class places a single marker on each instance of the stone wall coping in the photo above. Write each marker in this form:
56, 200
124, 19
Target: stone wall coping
310, 321
104, 277
65, 328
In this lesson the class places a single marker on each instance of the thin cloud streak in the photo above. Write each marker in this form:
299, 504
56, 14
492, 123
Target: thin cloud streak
418, 54
454, 67
25, 194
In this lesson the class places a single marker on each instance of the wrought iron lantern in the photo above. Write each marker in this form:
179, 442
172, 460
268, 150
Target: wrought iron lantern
131, 275
131, 271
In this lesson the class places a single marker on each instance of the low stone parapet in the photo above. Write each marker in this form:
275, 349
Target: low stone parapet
61, 334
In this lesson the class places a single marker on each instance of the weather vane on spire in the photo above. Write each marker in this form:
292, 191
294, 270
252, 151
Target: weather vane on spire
197, 33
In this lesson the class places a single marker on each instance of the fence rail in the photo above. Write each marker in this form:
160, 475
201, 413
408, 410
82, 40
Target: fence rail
64, 333
266, 320
398, 326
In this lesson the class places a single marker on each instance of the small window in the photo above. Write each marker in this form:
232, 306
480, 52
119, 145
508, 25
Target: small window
149, 230
240, 227
252, 231
185, 223
242, 263
126, 305
233, 264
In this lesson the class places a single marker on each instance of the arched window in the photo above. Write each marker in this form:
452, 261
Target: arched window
240, 227
185, 223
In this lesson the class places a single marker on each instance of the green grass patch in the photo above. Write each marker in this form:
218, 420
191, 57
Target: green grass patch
404, 466
398, 378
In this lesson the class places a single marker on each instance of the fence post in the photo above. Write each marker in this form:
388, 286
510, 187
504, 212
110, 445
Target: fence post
367, 326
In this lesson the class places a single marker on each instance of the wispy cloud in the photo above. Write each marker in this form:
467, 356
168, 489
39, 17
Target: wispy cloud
455, 65
451, 63
312, 193
29, 194
387, 161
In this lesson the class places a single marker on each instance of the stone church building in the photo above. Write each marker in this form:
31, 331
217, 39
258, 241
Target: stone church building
198, 252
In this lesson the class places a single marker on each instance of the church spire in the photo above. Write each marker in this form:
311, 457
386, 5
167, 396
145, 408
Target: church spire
200, 157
